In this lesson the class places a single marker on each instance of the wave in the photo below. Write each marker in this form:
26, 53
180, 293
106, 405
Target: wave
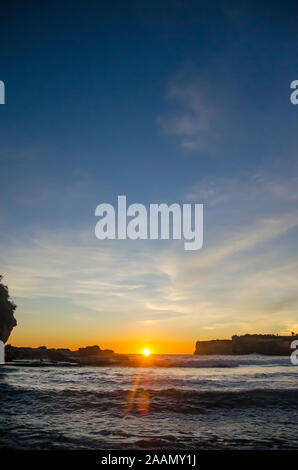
170, 399
219, 361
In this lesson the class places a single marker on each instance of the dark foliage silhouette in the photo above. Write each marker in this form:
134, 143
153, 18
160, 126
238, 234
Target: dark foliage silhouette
7, 308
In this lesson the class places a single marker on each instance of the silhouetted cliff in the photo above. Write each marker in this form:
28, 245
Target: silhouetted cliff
248, 344
90, 354
7, 307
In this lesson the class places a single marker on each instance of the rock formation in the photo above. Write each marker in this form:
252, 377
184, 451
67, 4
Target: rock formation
7, 307
90, 354
248, 344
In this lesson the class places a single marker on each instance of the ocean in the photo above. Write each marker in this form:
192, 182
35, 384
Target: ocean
180, 402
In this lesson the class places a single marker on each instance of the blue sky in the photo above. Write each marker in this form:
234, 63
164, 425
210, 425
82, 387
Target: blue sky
163, 103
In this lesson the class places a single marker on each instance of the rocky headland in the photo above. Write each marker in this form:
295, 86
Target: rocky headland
90, 355
271, 345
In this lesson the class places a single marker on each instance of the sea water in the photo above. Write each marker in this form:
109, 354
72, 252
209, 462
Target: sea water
183, 402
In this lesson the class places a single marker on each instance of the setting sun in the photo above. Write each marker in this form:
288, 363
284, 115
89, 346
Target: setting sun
146, 352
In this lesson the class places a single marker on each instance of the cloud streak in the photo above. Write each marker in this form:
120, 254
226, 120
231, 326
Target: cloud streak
242, 280
192, 111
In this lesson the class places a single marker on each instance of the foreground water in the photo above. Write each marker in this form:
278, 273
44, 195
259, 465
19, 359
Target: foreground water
215, 402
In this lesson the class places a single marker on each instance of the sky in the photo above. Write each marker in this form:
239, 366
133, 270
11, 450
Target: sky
162, 102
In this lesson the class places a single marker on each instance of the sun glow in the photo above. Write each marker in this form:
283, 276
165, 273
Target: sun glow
146, 352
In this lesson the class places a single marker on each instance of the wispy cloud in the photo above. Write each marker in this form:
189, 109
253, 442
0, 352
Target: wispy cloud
242, 280
191, 111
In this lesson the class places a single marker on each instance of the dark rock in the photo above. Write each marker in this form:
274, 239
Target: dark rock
89, 351
90, 354
272, 345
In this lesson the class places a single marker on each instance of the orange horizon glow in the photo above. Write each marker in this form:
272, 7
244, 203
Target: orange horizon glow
128, 346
